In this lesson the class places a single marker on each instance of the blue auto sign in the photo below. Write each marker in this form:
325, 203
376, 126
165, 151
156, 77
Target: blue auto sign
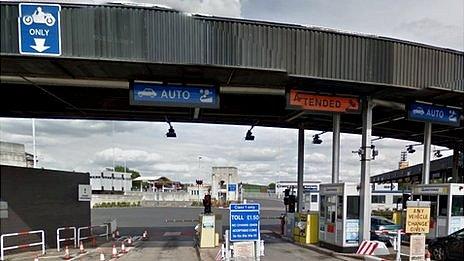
244, 222
39, 29
431, 113
173, 95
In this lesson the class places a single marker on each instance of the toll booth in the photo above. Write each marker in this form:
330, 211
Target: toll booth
446, 209
339, 217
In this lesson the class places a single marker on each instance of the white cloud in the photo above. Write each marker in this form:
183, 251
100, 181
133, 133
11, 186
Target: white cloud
127, 155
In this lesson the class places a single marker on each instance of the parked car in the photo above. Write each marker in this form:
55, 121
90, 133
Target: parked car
381, 224
450, 247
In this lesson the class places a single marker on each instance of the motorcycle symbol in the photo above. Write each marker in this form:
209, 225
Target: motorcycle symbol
39, 17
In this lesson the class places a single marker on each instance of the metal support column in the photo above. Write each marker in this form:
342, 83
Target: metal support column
365, 189
300, 167
34, 157
427, 148
455, 169
336, 148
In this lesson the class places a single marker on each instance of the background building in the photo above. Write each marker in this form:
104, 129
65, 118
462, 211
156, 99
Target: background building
14, 154
221, 177
197, 193
109, 181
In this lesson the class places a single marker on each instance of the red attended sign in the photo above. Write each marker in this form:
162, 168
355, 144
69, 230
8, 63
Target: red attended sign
308, 101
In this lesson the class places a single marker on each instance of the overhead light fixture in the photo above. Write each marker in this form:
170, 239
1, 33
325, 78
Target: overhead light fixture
249, 135
171, 132
317, 139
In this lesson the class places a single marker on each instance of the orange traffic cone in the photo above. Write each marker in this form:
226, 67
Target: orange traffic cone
115, 252
102, 256
123, 248
129, 241
145, 235
81, 248
66, 253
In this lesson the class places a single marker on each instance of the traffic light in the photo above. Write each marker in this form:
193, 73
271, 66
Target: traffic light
291, 204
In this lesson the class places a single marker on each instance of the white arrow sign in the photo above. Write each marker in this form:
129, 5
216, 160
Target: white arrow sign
39, 45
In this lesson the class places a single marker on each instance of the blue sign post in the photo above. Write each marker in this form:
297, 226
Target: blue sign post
173, 95
431, 113
245, 222
39, 29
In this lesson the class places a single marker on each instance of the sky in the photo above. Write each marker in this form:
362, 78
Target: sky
90, 146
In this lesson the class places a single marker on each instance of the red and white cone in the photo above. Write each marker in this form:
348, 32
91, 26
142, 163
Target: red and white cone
145, 235
81, 248
129, 241
427, 255
114, 253
36, 258
102, 256
66, 253
123, 248
117, 233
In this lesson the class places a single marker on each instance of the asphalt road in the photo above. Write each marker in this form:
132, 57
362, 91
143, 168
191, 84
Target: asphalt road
174, 240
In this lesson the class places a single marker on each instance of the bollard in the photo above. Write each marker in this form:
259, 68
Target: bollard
102, 256
36, 258
123, 248
114, 252
66, 253
145, 235
427, 255
81, 248
129, 241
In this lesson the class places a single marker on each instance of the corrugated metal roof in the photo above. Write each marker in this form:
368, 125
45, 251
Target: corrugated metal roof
162, 36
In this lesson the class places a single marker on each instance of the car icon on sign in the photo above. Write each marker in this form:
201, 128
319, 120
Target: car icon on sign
147, 92
418, 110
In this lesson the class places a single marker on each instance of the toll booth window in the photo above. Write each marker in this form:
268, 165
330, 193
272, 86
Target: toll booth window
443, 205
457, 206
352, 207
378, 199
322, 208
340, 207
314, 198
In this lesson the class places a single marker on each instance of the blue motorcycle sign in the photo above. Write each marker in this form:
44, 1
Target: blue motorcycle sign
39, 29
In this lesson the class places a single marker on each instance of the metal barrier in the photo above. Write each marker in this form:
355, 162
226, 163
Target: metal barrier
79, 237
3, 249
58, 239
395, 240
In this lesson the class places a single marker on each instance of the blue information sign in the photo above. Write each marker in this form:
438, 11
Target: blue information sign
39, 29
232, 187
431, 113
244, 222
173, 95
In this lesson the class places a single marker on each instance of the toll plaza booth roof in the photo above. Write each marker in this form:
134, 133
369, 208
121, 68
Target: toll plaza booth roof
440, 171
253, 65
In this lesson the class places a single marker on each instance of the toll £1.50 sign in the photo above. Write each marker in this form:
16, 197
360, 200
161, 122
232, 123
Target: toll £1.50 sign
417, 220
245, 222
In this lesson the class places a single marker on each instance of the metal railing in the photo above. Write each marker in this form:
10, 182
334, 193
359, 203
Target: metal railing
395, 240
59, 240
91, 235
3, 248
